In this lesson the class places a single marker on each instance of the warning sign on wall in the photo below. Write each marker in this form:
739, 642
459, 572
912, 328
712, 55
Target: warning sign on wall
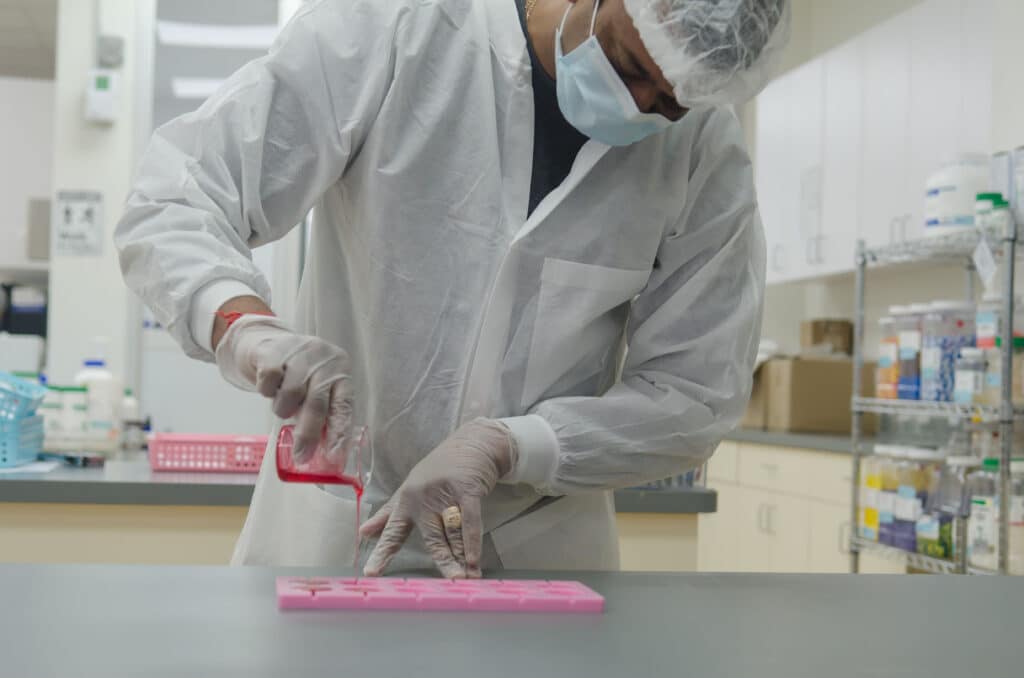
78, 223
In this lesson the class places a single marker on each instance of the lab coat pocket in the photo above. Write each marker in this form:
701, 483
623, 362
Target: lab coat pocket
581, 313
572, 533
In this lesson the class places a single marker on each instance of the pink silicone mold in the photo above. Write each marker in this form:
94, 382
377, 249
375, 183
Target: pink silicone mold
460, 595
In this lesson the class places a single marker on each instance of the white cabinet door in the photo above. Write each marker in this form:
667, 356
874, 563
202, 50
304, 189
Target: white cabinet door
804, 195
975, 126
716, 532
773, 533
841, 203
935, 98
772, 174
830, 537
884, 191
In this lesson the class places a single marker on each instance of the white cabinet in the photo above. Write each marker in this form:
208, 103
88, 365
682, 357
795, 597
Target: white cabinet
716, 534
779, 510
773, 178
976, 64
935, 86
885, 111
845, 143
789, 131
841, 176
806, 128
829, 538
772, 535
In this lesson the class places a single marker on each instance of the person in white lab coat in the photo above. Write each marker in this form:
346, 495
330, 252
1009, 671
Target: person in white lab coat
507, 195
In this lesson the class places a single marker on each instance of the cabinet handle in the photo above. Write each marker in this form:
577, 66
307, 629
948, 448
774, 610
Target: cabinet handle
844, 538
760, 517
819, 249
903, 226
892, 231
769, 522
809, 251
770, 468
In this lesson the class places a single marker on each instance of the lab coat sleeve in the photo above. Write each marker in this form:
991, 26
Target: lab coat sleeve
244, 169
692, 335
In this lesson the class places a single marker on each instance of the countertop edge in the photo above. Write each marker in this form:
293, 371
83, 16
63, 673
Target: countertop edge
838, 444
43, 491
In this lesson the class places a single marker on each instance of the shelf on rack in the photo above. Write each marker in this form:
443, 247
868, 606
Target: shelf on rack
914, 560
917, 456
981, 571
921, 407
952, 247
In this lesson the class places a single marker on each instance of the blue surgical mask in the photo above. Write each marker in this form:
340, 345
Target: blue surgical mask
594, 99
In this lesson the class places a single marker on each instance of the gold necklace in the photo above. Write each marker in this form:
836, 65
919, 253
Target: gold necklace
530, 4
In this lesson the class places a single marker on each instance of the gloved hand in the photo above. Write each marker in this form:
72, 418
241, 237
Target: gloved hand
457, 473
306, 377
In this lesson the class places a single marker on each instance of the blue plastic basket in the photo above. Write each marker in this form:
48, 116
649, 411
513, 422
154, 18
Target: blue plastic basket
18, 398
21, 441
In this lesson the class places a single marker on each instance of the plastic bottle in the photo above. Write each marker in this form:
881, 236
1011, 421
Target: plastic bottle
915, 480
970, 376
947, 327
983, 523
950, 194
869, 491
908, 327
887, 375
104, 396
888, 476
133, 435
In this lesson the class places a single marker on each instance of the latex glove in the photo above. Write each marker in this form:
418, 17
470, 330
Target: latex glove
458, 472
306, 377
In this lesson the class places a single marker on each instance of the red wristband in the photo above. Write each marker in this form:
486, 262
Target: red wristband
231, 317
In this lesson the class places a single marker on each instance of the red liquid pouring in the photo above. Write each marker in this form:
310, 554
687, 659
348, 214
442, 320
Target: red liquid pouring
320, 471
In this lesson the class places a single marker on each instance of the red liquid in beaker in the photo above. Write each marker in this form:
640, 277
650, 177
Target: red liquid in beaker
320, 471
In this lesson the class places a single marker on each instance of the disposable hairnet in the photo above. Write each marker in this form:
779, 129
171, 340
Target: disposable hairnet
713, 51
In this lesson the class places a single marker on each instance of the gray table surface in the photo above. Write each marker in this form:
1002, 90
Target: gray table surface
806, 441
115, 621
131, 481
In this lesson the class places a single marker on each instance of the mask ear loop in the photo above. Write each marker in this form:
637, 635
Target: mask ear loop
593, 17
565, 16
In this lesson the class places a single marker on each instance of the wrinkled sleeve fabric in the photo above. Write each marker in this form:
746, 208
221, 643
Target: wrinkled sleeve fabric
692, 335
243, 169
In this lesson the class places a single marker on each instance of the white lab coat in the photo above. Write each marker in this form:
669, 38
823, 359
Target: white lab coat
409, 126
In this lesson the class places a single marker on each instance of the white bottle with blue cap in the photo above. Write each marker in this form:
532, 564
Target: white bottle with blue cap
104, 394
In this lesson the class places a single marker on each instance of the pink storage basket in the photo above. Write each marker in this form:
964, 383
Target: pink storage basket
206, 453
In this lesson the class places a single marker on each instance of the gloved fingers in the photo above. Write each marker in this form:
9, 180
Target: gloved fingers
432, 531
309, 426
376, 523
339, 421
291, 394
268, 379
391, 540
451, 517
472, 536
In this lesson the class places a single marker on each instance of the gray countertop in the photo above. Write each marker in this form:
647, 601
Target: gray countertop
115, 621
131, 481
806, 441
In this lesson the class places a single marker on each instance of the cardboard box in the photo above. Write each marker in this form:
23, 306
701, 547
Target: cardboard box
836, 333
806, 395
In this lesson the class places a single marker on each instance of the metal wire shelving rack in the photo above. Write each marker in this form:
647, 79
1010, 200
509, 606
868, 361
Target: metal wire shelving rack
955, 248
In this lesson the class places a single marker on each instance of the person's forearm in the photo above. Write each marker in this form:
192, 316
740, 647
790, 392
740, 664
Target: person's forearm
249, 304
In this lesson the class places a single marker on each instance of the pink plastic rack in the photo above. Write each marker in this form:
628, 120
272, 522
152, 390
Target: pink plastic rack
460, 595
206, 453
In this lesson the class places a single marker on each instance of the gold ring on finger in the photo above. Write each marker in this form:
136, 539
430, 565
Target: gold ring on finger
452, 517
